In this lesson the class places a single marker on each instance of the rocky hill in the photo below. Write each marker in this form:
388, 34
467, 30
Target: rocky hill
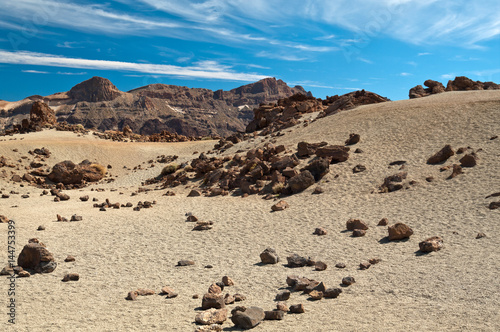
97, 103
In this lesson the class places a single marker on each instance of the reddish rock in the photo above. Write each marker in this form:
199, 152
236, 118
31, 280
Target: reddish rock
169, 292
67, 172
320, 231
457, 170
480, 235
348, 281
214, 289
332, 293
280, 206
318, 190
359, 233
305, 149
315, 295
185, 262
36, 257
441, 156
3, 219
469, 160
353, 224
336, 153
282, 306
41, 114
394, 182
364, 266
211, 300
227, 281
297, 309
144, 292
194, 193
399, 231
131, 296
274, 315
383, 222
283, 295
269, 256
353, 139
301, 182
69, 259
320, 266
211, 316
23, 274
434, 243
374, 261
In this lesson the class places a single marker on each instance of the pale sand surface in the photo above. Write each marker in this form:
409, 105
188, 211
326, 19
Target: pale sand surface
455, 289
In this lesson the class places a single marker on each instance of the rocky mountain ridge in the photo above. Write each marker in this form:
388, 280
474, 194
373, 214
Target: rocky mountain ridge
97, 103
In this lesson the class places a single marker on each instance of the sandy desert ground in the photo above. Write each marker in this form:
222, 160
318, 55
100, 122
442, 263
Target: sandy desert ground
116, 251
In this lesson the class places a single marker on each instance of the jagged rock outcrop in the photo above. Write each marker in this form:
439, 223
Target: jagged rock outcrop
460, 83
94, 90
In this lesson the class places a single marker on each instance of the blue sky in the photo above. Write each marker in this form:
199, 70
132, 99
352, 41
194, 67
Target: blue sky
329, 47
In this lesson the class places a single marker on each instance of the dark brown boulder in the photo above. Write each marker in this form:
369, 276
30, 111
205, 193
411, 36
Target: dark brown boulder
297, 309
469, 160
399, 231
305, 149
441, 156
249, 318
71, 277
332, 293
301, 182
67, 172
336, 153
269, 256
353, 224
211, 300
297, 261
36, 257
353, 139
274, 315
393, 182
418, 92
434, 86
318, 168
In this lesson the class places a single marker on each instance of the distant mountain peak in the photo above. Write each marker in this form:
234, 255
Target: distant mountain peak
94, 89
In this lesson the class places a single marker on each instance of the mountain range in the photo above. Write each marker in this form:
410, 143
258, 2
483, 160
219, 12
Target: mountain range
98, 103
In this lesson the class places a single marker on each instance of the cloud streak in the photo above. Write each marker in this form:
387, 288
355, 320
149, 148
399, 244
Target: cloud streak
202, 70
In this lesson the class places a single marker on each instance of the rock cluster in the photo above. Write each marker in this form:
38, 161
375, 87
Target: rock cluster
460, 83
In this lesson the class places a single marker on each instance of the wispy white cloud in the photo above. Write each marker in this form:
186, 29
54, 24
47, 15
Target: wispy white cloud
71, 73
328, 37
405, 74
202, 70
35, 71
286, 57
424, 53
68, 44
449, 76
365, 60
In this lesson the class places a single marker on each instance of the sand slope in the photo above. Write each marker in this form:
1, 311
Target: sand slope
120, 250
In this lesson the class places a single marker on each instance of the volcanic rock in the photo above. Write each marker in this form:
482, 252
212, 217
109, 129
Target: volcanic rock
301, 182
348, 281
211, 316
434, 243
269, 256
297, 309
67, 172
353, 224
441, 156
211, 300
280, 206
399, 231
353, 139
71, 277
469, 160
274, 315
336, 153
332, 293
36, 257
249, 318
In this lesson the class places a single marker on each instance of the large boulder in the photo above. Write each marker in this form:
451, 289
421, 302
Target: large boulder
269, 256
418, 92
67, 172
301, 182
41, 114
434, 86
305, 149
249, 318
318, 168
36, 257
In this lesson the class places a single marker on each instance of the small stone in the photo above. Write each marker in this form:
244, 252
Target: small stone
280, 206
274, 315
195, 296
185, 262
429, 179
269, 256
283, 295
434, 243
7, 270
318, 190
297, 309
374, 261
358, 233
494, 205
227, 281
399, 231
320, 231
208, 266
76, 218
480, 235
320, 266
169, 292
24, 274
296, 261
69, 259
383, 222
348, 281
340, 265
71, 277
229, 299
316, 295
194, 193
359, 169
282, 306
353, 224
40, 228
364, 266
145, 292
332, 293
131, 296
192, 218
211, 300
84, 198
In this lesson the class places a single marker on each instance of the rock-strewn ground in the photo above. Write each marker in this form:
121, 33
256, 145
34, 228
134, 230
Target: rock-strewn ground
121, 250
